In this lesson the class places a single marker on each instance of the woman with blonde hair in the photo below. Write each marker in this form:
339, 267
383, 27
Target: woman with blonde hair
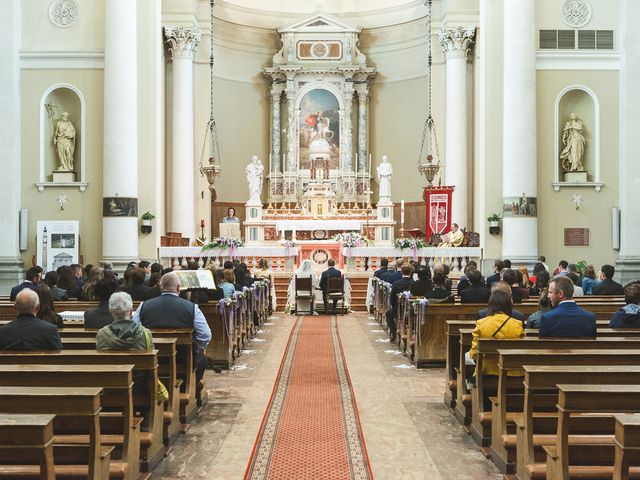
261, 272
88, 290
526, 281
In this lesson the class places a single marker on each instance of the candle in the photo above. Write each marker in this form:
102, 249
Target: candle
356, 169
369, 165
402, 211
202, 223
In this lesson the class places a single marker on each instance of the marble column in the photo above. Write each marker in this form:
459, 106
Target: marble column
276, 94
11, 266
363, 117
519, 153
182, 44
120, 162
291, 163
456, 44
628, 261
347, 138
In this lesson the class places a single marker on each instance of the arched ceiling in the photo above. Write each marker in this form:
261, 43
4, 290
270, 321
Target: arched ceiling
330, 6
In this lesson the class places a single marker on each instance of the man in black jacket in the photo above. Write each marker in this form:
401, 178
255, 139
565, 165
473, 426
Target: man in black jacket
32, 277
498, 265
398, 286
607, 286
330, 272
475, 293
27, 332
384, 267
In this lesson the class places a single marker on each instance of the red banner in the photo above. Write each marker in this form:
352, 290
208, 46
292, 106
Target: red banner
438, 202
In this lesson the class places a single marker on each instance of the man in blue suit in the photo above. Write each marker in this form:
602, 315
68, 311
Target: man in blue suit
32, 278
324, 283
567, 319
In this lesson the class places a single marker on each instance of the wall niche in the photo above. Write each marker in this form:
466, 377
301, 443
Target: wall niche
62, 122
577, 139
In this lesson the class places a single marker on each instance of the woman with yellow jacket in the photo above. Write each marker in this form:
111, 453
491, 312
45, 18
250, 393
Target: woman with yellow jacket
497, 324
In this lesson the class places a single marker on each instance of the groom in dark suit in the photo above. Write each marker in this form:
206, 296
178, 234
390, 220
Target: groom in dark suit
330, 272
567, 319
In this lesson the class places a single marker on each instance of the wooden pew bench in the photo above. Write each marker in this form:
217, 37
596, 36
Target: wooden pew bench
76, 411
28, 436
118, 427
144, 391
222, 322
627, 445
594, 458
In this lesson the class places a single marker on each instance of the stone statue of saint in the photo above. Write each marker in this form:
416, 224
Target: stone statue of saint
573, 141
384, 178
254, 173
64, 138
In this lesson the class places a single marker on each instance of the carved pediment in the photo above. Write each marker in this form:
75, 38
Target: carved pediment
319, 22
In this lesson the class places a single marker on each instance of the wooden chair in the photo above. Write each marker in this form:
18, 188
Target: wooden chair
335, 293
304, 290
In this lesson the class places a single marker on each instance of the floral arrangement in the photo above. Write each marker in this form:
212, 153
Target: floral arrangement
351, 239
223, 242
290, 244
414, 243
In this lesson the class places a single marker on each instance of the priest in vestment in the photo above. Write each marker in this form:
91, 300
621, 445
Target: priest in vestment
453, 238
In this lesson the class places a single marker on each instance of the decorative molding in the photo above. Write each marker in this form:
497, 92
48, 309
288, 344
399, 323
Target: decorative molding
81, 185
558, 185
182, 41
576, 60
457, 43
576, 13
63, 13
62, 60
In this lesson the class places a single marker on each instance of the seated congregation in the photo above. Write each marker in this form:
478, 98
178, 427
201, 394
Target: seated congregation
540, 369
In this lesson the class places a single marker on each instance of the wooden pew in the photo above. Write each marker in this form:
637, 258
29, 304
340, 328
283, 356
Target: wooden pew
144, 392
222, 321
487, 347
595, 457
85, 340
627, 445
118, 428
31, 437
75, 408
538, 423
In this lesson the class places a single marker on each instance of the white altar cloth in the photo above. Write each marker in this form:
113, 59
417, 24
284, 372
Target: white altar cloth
248, 251
391, 251
309, 225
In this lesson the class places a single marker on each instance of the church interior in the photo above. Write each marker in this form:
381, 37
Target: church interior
331, 240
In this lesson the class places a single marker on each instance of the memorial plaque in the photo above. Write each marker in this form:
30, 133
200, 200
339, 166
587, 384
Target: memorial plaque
576, 237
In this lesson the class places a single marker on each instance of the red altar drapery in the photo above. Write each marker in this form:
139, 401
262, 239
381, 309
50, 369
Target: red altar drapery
438, 202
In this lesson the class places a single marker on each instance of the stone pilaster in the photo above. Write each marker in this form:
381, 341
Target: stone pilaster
363, 127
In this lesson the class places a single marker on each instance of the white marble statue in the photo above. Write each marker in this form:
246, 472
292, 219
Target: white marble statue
64, 138
384, 179
254, 173
573, 141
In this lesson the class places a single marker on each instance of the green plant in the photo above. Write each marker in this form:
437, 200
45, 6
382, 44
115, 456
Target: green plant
494, 217
147, 216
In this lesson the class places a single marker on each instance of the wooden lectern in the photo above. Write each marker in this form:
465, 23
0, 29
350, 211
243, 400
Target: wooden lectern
416, 233
230, 230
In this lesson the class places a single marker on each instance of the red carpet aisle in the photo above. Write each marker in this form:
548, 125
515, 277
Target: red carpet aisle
311, 428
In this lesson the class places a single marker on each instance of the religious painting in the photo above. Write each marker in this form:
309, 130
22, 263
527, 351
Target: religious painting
119, 207
319, 129
520, 206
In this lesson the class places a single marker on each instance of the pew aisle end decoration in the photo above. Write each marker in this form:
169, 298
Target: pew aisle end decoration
413, 243
224, 243
420, 305
350, 240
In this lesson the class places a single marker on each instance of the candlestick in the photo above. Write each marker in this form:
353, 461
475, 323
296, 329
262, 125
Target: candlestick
369, 166
402, 211
202, 223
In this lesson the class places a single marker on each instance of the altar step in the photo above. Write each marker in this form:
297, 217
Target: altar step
358, 291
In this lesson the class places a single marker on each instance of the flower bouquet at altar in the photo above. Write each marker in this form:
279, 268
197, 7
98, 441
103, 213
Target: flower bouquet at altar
414, 243
351, 239
232, 244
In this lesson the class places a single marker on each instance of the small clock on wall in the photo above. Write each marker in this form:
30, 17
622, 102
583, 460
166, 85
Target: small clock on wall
319, 234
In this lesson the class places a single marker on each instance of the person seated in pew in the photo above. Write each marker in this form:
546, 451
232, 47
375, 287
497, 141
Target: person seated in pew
544, 305
511, 278
135, 284
577, 282
122, 333
100, 316
439, 293
262, 271
504, 287
422, 286
243, 277
390, 275
607, 285
67, 283
47, 310
541, 283
629, 315
402, 285
589, 280
227, 284
223, 288
464, 282
51, 280
384, 268
27, 332
476, 292
567, 319
32, 278
170, 311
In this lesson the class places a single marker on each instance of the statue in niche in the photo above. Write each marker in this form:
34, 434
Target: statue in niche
384, 178
254, 173
64, 139
573, 141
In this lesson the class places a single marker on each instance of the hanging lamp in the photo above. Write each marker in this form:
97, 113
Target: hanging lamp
212, 170
429, 144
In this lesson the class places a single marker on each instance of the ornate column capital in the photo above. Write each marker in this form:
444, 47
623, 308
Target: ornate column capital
276, 91
457, 43
182, 41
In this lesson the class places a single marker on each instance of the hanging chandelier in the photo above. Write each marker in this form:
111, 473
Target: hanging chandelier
212, 169
429, 144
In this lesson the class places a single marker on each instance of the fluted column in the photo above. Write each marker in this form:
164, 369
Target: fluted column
363, 117
628, 262
120, 163
276, 94
519, 155
457, 44
182, 44
10, 262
